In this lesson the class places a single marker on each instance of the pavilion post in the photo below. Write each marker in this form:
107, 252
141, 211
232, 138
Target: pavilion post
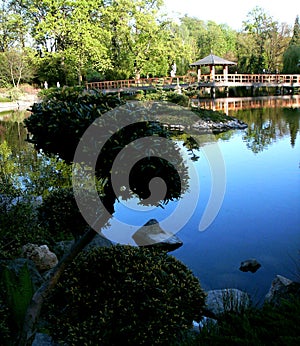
225, 72
199, 74
212, 73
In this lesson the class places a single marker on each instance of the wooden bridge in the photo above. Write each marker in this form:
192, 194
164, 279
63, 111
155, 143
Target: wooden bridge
218, 81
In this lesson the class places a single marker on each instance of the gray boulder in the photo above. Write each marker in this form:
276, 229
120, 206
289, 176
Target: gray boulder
206, 322
63, 247
250, 265
43, 258
99, 241
41, 339
151, 234
226, 300
281, 288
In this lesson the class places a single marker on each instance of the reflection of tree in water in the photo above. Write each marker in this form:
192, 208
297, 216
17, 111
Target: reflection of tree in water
267, 125
33, 170
293, 120
14, 133
142, 162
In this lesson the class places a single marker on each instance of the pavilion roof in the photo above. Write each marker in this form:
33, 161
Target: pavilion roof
212, 59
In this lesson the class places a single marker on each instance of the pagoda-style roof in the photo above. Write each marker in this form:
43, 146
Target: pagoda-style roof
212, 60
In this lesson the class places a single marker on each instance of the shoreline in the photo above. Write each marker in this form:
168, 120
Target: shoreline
21, 104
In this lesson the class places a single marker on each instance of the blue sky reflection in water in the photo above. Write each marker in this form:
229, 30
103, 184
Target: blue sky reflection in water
260, 214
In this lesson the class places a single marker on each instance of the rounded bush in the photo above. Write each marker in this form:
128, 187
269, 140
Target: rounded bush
124, 295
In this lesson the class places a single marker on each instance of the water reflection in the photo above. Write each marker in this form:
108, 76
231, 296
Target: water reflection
27, 170
260, 213
233, 104
268, 118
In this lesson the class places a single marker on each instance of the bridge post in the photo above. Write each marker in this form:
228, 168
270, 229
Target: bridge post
227, 91
213, 92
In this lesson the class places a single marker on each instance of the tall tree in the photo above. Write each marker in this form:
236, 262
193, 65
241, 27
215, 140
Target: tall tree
295, 41
260, 26
291, 57
71, 28
13, 29
206, 37
15, 66
275, 46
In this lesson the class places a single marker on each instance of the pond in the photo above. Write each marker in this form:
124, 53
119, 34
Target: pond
260, 213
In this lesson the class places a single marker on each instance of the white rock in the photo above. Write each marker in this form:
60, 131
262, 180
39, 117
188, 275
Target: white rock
226, 300
43, 258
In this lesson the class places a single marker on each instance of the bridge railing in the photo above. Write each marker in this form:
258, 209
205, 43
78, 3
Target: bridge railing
141, 82
259, 78
290, 79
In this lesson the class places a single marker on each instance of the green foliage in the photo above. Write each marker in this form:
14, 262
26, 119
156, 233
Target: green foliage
205, 37
16, 67
262, 43
4, 321
18, 288
138, 295
170, 96
18, 223
291, 60
123, 39
7, 167
5, 99
295, 41
58, 122
208, 114
53, 69
60, 216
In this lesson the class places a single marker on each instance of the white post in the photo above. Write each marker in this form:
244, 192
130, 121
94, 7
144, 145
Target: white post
199, 74
225, 73
212, 73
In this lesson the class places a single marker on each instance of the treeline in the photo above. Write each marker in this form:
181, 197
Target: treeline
74, 41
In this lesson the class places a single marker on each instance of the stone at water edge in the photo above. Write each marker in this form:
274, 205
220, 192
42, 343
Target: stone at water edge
281, 288
151, 234
226, 300
250, 265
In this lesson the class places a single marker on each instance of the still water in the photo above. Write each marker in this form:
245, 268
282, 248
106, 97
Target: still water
260, 213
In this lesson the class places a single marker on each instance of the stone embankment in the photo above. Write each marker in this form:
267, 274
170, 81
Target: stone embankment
230, 124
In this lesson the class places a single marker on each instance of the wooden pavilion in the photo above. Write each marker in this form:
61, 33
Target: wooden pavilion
213, 60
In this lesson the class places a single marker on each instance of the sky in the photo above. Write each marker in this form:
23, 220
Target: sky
233, 12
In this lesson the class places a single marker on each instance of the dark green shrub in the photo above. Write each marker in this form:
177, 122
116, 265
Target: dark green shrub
60, 216
127, 295
170, 96
18, 225
57, 123
4, 324
179, 99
